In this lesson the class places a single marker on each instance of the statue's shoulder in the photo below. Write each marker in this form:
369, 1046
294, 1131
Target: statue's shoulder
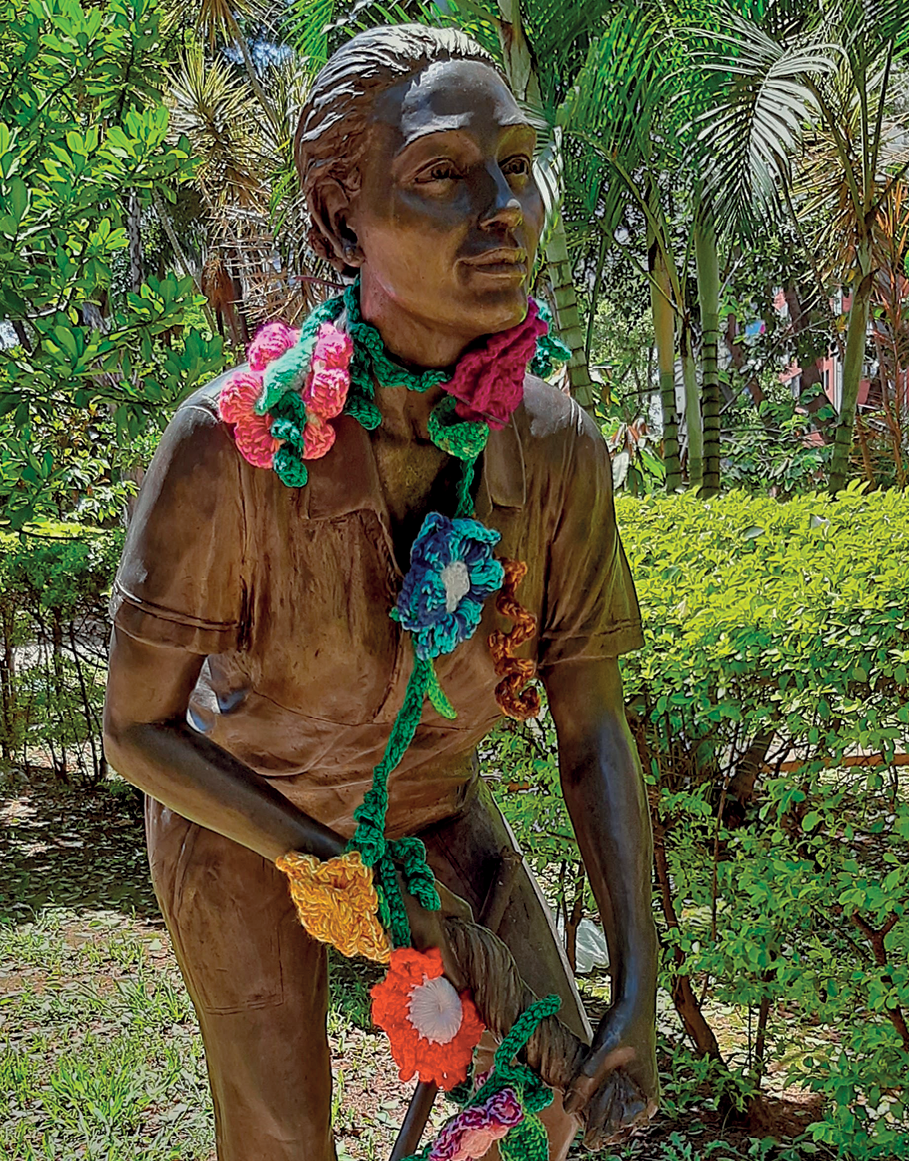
548, 417
196, 438
205, 399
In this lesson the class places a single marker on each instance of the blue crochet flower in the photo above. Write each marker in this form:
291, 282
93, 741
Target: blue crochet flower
452, 572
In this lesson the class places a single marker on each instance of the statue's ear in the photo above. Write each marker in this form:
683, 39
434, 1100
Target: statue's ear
331, 211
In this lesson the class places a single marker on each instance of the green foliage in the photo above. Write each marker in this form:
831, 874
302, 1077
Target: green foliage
53, 646
770, 707
82, 132
778, 452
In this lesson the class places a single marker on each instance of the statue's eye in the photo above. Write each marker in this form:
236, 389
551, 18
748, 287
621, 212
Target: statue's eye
439, 171
518, 166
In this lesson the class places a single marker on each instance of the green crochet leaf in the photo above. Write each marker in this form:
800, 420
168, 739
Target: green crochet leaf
290, 371
526, 1142
437, 696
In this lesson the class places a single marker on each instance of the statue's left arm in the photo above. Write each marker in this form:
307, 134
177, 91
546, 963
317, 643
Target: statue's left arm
606, 799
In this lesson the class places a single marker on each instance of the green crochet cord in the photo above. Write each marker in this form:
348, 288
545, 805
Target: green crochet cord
371, 364
288, 373
369, 837
527, 1141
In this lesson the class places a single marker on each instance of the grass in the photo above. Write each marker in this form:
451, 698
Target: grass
100, 1053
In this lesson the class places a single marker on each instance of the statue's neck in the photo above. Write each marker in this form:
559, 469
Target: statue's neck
405, 414
407, 337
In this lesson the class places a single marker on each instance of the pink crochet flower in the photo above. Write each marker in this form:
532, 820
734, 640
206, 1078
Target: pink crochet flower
270, 343
318, 438
469, 1135
252, 433
489, 382
326, 388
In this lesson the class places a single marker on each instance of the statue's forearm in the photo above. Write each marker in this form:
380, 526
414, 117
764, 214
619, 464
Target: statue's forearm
147, 740
199, 780
605, 795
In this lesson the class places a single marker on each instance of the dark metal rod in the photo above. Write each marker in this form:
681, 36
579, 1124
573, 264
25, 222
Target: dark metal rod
415, 1122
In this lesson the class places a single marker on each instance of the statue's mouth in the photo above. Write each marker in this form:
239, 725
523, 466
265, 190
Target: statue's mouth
504, 261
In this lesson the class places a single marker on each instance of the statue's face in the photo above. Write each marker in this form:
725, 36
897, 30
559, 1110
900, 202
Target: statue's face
448, 216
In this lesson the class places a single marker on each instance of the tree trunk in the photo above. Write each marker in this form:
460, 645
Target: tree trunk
664, 331
523, 78
817, 403
686, 1002
708, 266
737, 355
239, 40
134, 238
692, 406
856, 335
568, 315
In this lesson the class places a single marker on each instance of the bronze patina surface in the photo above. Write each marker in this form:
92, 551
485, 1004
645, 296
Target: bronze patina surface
255, 672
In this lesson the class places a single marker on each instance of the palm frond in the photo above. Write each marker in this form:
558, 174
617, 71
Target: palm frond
762, 98
220, 116
221, 17
309, 25
623, 86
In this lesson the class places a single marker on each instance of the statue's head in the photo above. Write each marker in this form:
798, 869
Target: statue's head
415, 161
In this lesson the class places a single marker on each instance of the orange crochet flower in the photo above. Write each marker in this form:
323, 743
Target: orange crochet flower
337, 903
431, 1029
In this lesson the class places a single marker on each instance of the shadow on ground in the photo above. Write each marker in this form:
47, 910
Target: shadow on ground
69, 847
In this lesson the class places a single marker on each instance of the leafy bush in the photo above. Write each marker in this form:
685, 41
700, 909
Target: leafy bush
53, 647
770, 706
82, 150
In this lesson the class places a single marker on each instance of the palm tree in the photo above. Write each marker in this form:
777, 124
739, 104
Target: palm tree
624, 107
523, 71
800, 114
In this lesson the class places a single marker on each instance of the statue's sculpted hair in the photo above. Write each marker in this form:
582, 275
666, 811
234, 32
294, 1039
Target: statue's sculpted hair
331, 135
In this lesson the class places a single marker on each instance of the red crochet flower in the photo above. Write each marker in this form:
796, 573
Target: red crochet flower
270, 343
431, 1029
318, 438
470, 1134
488, 382
326, 389
252, 432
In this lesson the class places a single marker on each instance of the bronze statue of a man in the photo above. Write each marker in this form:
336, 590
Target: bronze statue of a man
255, 673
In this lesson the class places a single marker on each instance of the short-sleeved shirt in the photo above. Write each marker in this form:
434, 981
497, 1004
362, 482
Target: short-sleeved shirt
287, 592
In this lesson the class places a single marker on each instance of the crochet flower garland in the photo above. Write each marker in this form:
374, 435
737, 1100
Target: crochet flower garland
282, 411
503, 1108
452, 572
299, 421
281, 408
336, 903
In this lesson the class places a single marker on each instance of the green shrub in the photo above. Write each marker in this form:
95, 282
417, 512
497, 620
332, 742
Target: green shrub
770, 706
54, 583
83, 148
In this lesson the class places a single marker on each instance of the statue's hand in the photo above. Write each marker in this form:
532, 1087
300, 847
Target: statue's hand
428, 928
616, 1086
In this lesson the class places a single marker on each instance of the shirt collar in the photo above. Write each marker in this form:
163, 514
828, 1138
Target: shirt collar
346, 479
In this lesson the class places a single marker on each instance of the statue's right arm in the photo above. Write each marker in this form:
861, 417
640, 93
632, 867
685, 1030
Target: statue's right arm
147, 741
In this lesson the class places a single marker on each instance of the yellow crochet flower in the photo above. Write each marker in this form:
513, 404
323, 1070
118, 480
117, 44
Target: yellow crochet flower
337, 903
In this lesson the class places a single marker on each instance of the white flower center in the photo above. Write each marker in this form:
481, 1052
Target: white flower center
435, 1010
456, 580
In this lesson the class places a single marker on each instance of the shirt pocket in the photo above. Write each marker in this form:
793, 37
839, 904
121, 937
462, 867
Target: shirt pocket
321, 641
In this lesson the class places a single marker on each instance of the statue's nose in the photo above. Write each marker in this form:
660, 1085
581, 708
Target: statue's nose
504, 209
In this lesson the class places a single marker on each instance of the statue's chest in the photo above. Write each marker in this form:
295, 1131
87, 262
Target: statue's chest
416, 478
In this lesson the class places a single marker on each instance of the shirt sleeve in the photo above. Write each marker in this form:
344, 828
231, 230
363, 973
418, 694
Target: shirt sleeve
590, 608
180, 580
